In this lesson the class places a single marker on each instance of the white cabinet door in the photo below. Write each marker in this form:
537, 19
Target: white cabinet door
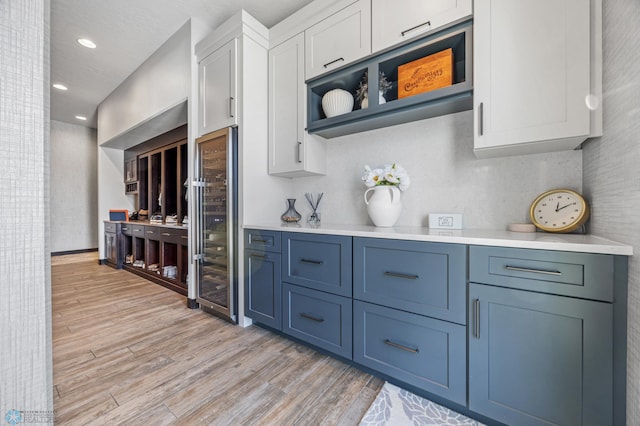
217, 89
292, 151
339, 39
533, 75
395, 21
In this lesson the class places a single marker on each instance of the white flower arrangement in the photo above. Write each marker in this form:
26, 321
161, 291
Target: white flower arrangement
390, 175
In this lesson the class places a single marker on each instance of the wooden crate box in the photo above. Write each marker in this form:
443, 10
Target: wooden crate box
425, 74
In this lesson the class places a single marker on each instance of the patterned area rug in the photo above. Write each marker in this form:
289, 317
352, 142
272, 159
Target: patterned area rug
395, 406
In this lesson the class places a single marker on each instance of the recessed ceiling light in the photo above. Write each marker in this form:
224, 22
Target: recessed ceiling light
59, 86
81, 117
87, 43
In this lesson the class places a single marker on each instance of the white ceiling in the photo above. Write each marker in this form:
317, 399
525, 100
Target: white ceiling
127, 32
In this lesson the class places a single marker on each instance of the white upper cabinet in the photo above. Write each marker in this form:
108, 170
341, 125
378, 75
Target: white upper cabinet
292, 151
218, 89
339, 39
537, 75
395, 21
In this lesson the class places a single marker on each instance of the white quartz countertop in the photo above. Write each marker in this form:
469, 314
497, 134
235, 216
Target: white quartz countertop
484, 237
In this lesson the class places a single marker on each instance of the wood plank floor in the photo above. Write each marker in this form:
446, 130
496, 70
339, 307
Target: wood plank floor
127, 351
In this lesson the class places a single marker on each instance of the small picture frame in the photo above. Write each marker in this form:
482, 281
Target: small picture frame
119, 215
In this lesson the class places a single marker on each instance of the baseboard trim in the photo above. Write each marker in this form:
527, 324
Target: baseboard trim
62, 253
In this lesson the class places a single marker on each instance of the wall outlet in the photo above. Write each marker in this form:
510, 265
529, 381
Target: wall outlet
445, 220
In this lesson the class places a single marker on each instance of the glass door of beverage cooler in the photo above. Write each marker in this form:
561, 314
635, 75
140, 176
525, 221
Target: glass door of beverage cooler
216, 224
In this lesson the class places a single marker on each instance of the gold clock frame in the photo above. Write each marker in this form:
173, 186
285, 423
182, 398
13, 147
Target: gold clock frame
580, 220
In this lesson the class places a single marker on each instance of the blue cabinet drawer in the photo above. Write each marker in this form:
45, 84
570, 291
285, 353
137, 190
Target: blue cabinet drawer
262, 240
421, 351
319, 318
584, 275
320, 262
419, 277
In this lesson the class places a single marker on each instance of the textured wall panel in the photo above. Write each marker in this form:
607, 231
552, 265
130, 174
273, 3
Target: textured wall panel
74, 187
25, 310
612, 165
445, 175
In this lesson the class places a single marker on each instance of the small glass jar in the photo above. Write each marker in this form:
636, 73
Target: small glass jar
314, 219
291, 215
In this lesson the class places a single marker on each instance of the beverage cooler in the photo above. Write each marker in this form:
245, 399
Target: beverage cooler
216, 223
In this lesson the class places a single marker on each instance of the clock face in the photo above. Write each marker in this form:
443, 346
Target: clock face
559, 211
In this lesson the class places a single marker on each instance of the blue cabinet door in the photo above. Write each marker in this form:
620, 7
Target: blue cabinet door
263, 287
539, 359
320, 262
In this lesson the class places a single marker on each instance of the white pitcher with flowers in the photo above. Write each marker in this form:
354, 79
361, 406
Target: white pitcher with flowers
383, 198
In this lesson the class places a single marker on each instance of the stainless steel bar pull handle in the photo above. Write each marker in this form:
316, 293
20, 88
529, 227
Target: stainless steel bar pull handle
535, 271
259, 240
399, 346
311, 317
415, 28
401, 275
166, 234
333, 62
259, 256
299, 152
231, 106
481, 119
476, 318
314, 262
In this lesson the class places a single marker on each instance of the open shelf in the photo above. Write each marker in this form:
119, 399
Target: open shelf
162, 174
143, 184
183, 206
158, 249
183, 266
447, 100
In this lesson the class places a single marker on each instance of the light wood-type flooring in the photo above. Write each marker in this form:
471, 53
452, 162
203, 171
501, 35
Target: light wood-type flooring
127, 351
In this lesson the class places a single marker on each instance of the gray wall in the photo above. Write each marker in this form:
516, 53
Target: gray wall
445, 175
612, 165
74, 187
26, 382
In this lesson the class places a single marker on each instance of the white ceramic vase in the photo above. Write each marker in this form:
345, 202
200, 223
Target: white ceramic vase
384, 205
337, 102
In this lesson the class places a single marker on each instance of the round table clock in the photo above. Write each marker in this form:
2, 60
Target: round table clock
559, 210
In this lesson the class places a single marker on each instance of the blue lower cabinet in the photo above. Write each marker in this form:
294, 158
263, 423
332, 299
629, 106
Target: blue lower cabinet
421, 351
263, 284
318, 318
539, 359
